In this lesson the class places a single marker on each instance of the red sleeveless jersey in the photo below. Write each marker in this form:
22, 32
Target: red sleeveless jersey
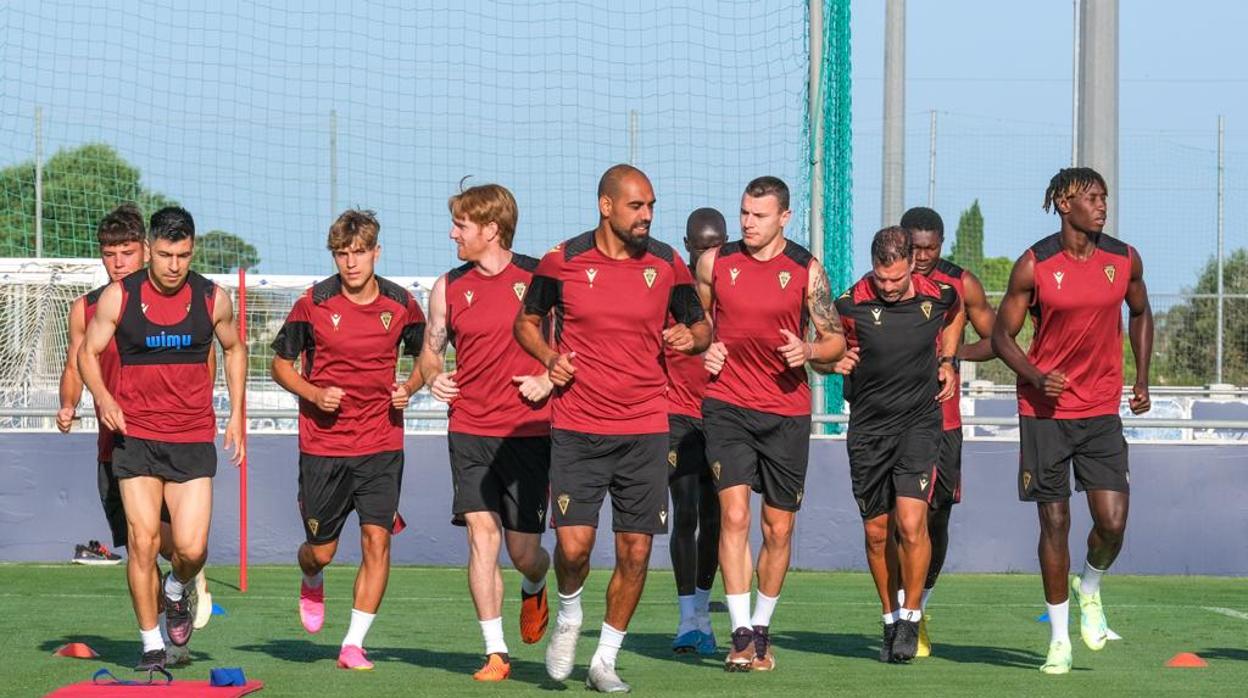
754, 300
948, 273
1076, 310
110, 367
480, 314
686, 381
163, 341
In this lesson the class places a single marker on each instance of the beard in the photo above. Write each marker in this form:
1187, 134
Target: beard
635, 243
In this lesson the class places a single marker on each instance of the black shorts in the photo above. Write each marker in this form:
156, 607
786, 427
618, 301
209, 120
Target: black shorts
1047, 447
947, 489
883, 467
331, 488
686, 448
114, 511
505, 475
171, 462
769, 452
633, 468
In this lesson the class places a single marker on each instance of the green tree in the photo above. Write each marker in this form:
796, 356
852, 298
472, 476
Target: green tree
219, 252
80, 186
1185, 351
968, 246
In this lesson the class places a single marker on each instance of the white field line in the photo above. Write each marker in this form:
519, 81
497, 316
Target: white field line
1228, 612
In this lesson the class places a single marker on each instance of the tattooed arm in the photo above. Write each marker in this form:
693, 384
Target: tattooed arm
433, 355
829, 344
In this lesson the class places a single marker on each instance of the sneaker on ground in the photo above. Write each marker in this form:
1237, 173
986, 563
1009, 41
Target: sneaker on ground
741, 655
354, 658
94, 553
497, 668
602, 678
1059, 659
905, 641
561, 650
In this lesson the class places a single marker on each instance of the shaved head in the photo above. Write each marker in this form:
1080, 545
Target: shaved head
609, 184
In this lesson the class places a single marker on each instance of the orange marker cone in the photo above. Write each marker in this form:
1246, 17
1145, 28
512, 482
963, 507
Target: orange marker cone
76, 650
1186, 660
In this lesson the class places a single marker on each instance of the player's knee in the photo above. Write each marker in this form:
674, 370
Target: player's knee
374, 541
1054, 519
876, 533
1112, 529
778, 531
483, 534
735, 519
685, 520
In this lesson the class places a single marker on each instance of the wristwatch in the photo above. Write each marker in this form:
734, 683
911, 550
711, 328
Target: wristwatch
954, 361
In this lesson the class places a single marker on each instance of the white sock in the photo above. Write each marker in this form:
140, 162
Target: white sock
1090, 582
764, 606
315, 581
570, 608
688, 614
911, 614
890, 618
1059, 621
492, 631
173, 587
151, 639
927, 593
609, 642
738, 609
901, 598
360, 623
529, 587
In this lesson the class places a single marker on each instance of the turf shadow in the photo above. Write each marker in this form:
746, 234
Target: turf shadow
1234, 653
123, 652
659, 646
464, 663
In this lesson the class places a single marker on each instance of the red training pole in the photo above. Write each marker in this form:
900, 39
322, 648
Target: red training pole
242, 467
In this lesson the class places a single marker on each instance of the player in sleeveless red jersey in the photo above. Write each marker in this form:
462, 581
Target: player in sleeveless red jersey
904, 329
347, 331
611, 290
694, 543
1073, 284
499, 416
120, 235
763, 293
927, 236
163, 320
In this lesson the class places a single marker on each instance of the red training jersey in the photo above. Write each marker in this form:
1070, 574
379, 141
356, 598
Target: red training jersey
1076, 310
480, 314
754, 300
110, 367
612, 312
354, 347
948, 273
163, 342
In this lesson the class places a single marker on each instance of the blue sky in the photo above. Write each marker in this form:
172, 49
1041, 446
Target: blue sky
227, 109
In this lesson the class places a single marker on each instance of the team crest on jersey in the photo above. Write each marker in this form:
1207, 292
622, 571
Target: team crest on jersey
784, 279
468, 296
715, 469
144, 307
923, 483
335, 318
188, 305
1109, 272
875, 314
734, 273
650, 274
386, 317
591, 273
1026, 480
563, 502
926, 307
1058, 276
313, 526
519, 288
671, 458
